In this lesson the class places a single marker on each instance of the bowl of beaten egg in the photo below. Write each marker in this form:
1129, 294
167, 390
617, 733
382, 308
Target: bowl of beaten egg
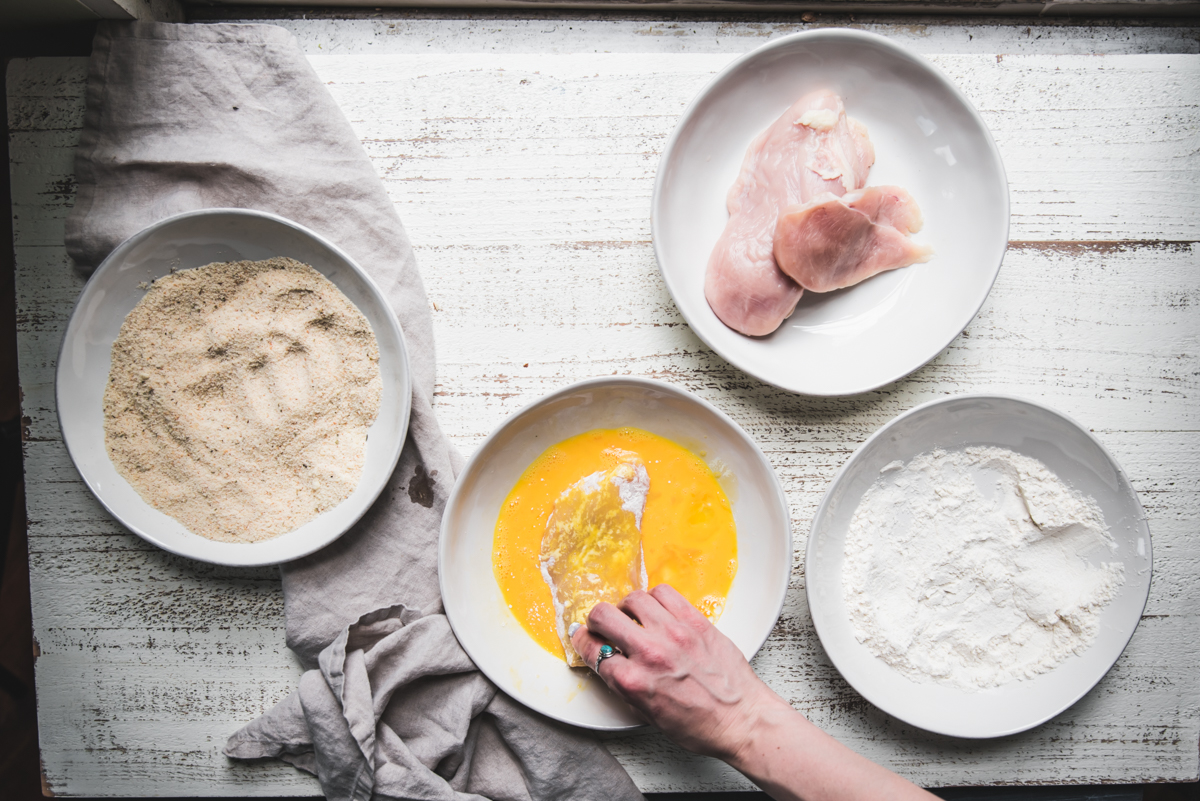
715, 526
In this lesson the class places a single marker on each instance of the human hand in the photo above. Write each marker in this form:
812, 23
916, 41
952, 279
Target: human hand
693, 683
677, 670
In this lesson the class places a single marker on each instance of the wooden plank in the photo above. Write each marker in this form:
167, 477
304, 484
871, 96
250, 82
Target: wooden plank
398, 32
1073, 8
1107, 353
149, 661
562, 145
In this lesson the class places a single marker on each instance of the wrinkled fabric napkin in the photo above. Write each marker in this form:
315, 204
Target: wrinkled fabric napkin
181, 117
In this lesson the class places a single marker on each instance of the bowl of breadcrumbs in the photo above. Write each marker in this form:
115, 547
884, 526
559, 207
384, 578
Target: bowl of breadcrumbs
233, 388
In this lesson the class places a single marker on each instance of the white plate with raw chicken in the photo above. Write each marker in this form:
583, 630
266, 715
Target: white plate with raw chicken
830, 212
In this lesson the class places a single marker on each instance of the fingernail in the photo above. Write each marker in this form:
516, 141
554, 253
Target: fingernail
574, 627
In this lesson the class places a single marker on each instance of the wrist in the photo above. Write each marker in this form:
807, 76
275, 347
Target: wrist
764, 729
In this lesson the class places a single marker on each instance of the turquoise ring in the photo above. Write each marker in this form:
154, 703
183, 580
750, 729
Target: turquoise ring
606, 651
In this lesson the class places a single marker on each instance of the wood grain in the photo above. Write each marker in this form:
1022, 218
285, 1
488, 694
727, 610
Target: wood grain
520, 159
1028, 8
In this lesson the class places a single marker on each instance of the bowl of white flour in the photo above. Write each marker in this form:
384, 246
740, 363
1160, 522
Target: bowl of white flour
978, 565
233, 388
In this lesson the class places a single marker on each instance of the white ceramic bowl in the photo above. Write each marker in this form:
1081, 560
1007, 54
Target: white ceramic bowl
1075, 456
928, 139
481, 618
193, 240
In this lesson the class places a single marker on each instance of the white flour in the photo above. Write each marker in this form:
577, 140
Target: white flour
975, 568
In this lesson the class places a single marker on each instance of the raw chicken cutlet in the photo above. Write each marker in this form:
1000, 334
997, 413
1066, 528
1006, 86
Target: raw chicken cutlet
834, 242
812, 149
799, 218
592, 549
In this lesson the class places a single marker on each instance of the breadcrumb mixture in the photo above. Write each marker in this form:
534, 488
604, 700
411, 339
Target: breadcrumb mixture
240, 395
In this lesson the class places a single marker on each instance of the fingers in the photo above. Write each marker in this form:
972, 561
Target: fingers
613, 670
587, 645
678, 606
612, 625
645, 609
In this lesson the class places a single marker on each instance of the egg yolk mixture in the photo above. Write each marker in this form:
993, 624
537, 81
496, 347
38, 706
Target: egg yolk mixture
689, 539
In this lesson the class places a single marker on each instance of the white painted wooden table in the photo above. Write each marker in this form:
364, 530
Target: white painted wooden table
521, 156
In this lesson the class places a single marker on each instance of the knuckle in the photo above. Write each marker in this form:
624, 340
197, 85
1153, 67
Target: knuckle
680, 636
632, 682
665, 593
653, 656
600, 612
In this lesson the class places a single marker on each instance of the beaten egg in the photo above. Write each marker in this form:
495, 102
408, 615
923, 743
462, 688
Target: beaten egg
689, 539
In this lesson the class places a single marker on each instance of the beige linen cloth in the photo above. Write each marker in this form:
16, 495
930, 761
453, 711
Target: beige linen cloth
181, 117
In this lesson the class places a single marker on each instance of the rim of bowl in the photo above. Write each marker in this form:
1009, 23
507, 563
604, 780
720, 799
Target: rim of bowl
848, 34
588, 383
119, 253
979, 396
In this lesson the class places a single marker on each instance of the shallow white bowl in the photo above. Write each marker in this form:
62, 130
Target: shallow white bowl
477, 610
928, 139
1028, 428
193, 240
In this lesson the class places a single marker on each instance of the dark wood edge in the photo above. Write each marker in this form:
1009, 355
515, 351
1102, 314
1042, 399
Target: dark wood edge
354, 9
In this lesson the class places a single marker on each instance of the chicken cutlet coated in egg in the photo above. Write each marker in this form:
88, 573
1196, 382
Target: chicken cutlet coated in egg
592, 548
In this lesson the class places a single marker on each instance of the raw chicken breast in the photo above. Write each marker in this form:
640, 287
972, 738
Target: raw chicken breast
833, 242
592, 548
814, 148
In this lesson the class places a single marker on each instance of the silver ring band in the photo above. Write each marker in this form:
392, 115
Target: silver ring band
606, 652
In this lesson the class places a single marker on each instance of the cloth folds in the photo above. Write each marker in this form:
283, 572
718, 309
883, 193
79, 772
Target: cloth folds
181, 117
